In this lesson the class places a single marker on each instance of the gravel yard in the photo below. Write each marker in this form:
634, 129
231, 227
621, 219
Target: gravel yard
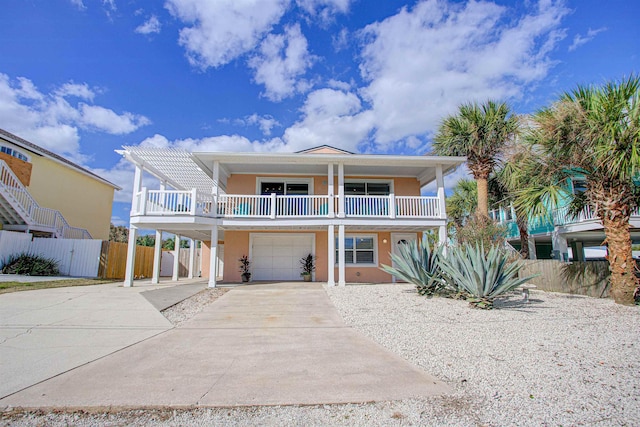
559, 361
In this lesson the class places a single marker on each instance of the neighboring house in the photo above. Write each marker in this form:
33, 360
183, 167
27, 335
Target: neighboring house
348, 210
561, 236
50, 196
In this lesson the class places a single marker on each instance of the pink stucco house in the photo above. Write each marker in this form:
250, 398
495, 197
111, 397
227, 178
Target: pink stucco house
348, 210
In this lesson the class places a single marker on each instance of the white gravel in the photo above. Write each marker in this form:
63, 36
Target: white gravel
559, 361
185, 310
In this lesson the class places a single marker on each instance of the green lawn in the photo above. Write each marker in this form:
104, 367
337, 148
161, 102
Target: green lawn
6, 287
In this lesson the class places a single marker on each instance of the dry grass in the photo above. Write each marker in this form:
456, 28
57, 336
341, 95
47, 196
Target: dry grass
6, 287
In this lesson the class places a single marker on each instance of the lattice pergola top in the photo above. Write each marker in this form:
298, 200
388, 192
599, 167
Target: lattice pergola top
174, 166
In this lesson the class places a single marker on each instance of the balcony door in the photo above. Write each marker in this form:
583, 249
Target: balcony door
284, 188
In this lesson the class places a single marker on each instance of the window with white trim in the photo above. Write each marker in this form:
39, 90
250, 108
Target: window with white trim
13, 152
358, 250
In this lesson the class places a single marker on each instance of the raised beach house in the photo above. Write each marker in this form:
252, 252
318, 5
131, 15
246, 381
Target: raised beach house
348, 210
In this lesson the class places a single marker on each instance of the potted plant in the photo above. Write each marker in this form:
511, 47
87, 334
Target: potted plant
244, 268
308, 266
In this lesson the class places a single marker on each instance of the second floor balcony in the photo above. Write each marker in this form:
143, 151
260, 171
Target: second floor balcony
191, 203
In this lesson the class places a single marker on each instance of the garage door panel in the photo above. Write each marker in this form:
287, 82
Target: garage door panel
277, 256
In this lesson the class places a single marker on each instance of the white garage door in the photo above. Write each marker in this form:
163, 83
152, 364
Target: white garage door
277, 256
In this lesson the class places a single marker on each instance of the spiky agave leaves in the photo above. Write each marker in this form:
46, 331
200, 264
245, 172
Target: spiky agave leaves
417, 263
483, 276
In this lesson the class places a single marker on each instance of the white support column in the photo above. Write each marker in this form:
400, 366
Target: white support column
442, 238
341, 190
532, 247
560, 246
330, 192
331, 256
192, 257
213, 257
341, 275
137, 187
441, 197
131, 256
176, 258
157, 258
215, 190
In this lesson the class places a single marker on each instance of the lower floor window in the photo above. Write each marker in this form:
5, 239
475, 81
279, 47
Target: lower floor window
358, 250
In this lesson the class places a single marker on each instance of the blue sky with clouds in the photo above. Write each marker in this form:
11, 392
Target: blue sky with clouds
84, 77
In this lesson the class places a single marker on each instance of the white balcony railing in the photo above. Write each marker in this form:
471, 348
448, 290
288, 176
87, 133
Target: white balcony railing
171, 202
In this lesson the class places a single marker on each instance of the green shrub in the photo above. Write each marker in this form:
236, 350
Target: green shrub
30, 265
417, 263
481, 231
483, 274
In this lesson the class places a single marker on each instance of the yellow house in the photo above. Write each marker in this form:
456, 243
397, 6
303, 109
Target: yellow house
48, 195
348, 211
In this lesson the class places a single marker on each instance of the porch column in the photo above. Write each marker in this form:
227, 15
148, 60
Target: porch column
192, 257
532, 247
131, 256
442, 238
157, 258
341, 276
133, 230
577, 249
441, 197
341, 190
215, 190
176, 258
331, 256
213, 257
330, 192
560, 247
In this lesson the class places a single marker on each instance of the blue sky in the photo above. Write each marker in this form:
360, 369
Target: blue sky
84, 77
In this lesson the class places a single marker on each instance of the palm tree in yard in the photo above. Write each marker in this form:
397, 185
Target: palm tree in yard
479, 132
594, 132
463, 202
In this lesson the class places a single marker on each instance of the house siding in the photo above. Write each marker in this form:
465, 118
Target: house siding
83, 201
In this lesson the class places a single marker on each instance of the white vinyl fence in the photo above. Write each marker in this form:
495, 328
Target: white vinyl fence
76, 257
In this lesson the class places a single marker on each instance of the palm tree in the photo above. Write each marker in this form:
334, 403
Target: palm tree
478, 132
463, 202
594, 132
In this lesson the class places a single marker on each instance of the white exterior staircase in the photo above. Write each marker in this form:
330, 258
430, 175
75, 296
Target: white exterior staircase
20, 211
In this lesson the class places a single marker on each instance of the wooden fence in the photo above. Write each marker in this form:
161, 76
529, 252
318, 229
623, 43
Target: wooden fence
553, 277
113, 261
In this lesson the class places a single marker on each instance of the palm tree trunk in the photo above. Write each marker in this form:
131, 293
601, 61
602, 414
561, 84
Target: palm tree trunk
483, 198
621, 263
523, 228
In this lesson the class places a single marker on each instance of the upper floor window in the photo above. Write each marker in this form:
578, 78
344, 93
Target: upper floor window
13, 152
367, 188
284, 187
579, 185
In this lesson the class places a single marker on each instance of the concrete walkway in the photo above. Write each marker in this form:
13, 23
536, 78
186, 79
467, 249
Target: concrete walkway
256, 345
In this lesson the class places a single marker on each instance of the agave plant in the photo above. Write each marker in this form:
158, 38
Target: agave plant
483, 275
417, 263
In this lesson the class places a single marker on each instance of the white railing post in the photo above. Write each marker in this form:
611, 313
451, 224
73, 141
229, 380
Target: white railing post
272, 214
143, 201
330, 192
340, 190
392, 206
441, 195
194, 198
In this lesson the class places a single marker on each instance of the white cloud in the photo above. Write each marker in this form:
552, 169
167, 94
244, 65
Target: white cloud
79, 4
281, 59
106, 120
51, 121
579, 40
324, 10
81, 91
265, 123
151, 26
222, 30
423, 62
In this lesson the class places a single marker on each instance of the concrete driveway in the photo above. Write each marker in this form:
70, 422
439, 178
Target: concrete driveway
256, 345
